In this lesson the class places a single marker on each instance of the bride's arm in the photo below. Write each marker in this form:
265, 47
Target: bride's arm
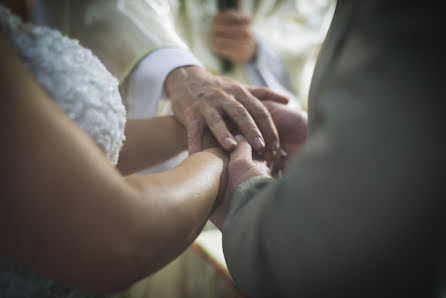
149, 142
152, 141
67, 213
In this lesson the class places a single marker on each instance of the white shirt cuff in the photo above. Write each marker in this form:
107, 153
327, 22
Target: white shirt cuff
146, 82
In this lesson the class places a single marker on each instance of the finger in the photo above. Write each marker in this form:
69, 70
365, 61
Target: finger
231, 44
238, 48
194, 128
231, 17
220, 44
238, 113
261, 116
263, 93
268, 157
231, 32
243, 150
217, 126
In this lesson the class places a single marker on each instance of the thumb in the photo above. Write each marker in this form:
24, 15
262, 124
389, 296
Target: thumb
243, 151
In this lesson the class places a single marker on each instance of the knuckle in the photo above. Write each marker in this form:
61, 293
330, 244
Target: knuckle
215, 92
239, 164
189, 113
261, 114
214, 120
204, 108
237, 89
227, 82
240, 111
203, 105
201, 95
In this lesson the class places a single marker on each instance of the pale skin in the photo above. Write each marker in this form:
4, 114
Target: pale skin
200, 99
145, 136
67, 213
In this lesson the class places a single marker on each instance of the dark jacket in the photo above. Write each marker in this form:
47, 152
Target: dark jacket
361, 211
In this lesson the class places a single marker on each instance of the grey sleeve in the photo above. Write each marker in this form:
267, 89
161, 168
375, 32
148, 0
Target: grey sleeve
359, 213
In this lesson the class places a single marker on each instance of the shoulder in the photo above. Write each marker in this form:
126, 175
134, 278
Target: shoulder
75, 79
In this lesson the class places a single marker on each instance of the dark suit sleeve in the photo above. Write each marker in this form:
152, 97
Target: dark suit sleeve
359, 212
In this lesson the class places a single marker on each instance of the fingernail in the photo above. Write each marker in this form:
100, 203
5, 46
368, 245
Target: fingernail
258, 143
283, 152
228, 141
239, 138
274, 145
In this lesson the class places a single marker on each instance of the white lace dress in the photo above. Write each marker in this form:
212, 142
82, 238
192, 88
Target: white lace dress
83, 88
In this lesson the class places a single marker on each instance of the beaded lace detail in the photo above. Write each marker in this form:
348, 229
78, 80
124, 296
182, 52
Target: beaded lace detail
74, 78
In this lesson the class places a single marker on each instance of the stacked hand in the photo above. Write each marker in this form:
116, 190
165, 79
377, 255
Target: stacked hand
241, 167
292, 128
200, 99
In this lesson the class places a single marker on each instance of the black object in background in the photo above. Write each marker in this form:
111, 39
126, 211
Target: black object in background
222, 6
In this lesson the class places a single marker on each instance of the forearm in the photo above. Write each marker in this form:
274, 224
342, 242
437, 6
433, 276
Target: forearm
149, 142
62, 198
183, 199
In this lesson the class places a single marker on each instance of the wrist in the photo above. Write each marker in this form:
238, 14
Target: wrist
219, 153
178, 76
224, 157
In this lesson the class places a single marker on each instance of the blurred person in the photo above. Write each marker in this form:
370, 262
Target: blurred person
359, 212
70, 224
271, 42
162, 49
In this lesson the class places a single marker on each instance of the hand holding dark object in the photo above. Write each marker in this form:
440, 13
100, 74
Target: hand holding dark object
232, 37
224, 5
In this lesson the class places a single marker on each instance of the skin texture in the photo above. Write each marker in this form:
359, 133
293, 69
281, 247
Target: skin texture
200, 99
292, 128
241, 167
147, 145
143, 136
232, 37
60, 197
